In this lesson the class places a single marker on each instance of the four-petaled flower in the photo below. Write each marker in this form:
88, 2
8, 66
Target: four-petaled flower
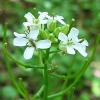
30, 40
35, 23
71, 42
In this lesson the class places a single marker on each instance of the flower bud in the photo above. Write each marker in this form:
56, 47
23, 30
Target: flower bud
65, 29
51, 25
44, 34
52, 38
56, 31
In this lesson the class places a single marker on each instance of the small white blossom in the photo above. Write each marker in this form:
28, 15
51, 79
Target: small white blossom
57, 18
71, 42
43, 16
30, 40
35, 22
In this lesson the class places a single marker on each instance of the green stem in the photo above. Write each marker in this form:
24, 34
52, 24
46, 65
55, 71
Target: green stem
22, 64
63, 77
70, 95
45, 82
71, 24
39, 92
46, 75
23, 88
55, 51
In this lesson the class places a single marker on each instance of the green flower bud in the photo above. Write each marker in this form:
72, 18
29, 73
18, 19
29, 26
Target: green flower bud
65, 29
52, 38
51, 25
56, 31
44, 34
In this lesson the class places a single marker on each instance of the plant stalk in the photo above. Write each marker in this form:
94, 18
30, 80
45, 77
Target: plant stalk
46, 75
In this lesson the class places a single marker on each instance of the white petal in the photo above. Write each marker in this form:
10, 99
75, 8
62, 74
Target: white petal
70, 50
42, 15
29, 17
19, 35
50, 18
81, 49
27, 24
28, 53
35, 27
59, 19
20, 41
43, 44
74, 34
85, 42
62, 37
33, 34
43, 21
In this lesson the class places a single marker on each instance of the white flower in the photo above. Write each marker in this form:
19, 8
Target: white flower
71, 42
57, 18
30, 40
43, 17
35, 22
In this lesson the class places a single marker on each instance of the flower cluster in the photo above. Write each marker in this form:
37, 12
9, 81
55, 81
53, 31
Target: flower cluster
43, 32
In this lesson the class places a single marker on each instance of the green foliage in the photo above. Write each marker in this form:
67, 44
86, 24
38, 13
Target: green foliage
87, 18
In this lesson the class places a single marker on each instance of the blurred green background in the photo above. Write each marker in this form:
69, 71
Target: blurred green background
87, 19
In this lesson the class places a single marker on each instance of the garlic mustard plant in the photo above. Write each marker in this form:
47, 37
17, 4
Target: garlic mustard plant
49, 35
